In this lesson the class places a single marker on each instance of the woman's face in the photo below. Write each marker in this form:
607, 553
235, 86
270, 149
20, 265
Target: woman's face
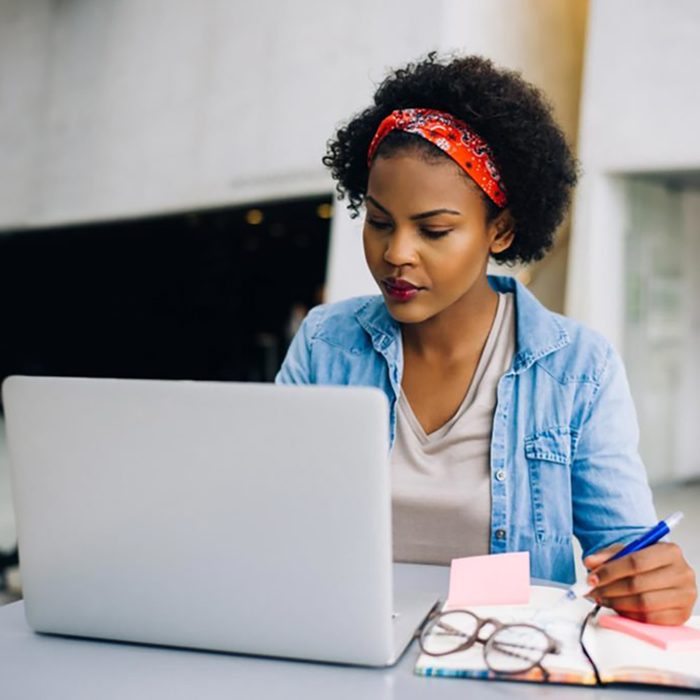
426, 239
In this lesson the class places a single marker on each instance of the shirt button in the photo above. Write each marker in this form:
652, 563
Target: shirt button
500, 475
500, 534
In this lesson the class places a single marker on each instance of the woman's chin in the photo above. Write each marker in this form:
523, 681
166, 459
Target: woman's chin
407, 311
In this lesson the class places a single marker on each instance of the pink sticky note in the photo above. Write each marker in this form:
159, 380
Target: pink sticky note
493, 579
677, 638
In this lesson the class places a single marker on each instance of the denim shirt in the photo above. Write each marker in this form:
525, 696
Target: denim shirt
564, 458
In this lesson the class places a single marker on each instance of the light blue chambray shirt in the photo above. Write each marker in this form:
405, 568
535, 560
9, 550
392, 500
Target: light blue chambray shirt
564, 458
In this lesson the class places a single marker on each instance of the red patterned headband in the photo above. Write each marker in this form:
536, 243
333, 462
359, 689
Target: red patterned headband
452, 136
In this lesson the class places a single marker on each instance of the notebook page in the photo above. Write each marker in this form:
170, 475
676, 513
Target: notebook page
624, 658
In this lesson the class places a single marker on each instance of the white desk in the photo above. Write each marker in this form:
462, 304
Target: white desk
34, 667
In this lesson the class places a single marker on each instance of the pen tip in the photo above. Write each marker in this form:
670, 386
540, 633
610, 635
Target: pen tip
674, 519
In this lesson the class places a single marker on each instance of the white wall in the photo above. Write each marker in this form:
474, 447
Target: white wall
640, 112
688, 463
641, 105
120, 108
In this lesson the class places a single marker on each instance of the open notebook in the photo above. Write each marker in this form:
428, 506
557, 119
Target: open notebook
620, 658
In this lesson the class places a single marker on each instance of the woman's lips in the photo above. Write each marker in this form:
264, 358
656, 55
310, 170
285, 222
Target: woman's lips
400, 290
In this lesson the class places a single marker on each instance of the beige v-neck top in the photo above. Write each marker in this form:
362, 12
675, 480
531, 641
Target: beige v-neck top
441, 491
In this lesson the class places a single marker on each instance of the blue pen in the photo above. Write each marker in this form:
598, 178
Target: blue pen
650, 537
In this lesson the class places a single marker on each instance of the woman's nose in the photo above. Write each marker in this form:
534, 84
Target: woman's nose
400, 249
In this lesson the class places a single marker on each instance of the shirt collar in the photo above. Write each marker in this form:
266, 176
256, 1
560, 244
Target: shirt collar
538, 330
374, 317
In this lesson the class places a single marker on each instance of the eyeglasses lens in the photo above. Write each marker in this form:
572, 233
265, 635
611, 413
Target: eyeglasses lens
449, 632
515, 648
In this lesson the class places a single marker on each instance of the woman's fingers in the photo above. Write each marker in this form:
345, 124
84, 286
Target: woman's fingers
593, 561
656, 579
653, 585
655, 601
655, 557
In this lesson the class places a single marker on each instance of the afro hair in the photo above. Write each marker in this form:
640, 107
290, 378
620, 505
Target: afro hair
515, 119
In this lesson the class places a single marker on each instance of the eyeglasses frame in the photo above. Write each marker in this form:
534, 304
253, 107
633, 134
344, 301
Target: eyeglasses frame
588, 619
553, 646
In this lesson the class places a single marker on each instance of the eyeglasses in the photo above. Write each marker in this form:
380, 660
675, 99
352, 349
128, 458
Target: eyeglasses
508, 648
589, 618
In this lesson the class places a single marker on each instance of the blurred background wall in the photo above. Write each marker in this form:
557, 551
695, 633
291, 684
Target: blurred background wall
127, 108
635, 255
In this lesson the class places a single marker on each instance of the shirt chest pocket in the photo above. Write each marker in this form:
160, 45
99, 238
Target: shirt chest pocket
548, 456
552, 445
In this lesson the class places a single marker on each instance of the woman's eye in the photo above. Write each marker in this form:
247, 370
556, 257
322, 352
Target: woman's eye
435, 233
381, 225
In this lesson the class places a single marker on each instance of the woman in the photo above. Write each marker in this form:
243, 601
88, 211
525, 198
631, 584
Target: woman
512, 428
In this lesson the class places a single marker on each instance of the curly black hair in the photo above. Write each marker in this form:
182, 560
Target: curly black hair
536, 165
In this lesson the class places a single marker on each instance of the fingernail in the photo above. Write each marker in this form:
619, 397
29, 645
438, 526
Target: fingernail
593, 580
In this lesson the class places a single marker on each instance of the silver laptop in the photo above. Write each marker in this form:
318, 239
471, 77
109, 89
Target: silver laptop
235, 517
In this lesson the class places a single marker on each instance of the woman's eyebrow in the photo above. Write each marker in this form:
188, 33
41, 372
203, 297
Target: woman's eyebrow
434, 212
369, 198
415, 217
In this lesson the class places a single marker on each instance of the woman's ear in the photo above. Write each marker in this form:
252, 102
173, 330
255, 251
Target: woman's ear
502, 232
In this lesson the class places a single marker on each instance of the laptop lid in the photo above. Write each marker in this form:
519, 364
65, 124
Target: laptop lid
239, 517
